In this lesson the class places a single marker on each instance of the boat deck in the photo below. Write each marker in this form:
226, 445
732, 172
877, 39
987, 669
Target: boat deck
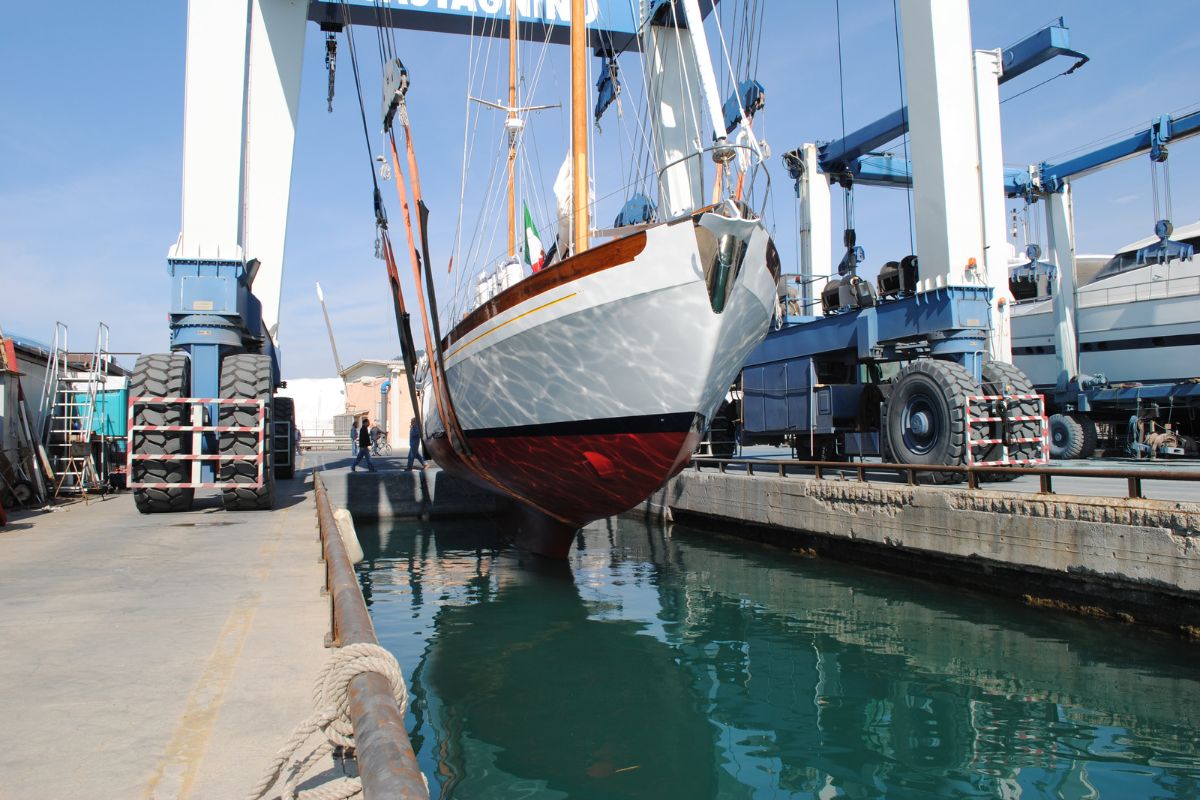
157, 655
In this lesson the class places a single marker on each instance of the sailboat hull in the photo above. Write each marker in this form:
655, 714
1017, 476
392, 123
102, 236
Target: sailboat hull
579, 394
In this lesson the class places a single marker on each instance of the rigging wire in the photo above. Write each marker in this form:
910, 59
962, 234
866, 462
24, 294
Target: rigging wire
1039, 85
380, 212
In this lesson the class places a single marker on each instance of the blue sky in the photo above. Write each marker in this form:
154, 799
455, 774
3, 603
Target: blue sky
91, 138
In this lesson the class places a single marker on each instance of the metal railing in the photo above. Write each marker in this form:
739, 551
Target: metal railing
386, 761
972, 476
197, 429
1161, 289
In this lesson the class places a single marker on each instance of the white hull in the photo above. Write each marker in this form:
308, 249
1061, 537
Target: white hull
582, 398
1138, 326
634, 340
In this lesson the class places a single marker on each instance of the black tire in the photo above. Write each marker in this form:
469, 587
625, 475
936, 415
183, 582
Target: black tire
1066, 437
161, 375
721, 433
284, 446
1091, 437
926, 416
246, 375
24, 492
1000, 377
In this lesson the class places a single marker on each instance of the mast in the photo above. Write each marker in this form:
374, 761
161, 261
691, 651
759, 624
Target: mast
511, 124
579, 161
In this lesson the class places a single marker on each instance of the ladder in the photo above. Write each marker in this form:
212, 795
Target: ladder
70, 432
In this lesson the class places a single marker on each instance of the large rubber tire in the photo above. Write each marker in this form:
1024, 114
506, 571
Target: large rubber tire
246, 375
926, 416
721, 432
1000, 377
1091, 437
1066, 437
161, 375
285, 451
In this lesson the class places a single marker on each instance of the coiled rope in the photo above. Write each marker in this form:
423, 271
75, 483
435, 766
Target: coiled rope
331, 701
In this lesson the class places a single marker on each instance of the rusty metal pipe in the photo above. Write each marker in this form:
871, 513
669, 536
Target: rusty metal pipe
386, 761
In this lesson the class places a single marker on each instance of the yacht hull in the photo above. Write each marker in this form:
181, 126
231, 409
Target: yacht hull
580, 393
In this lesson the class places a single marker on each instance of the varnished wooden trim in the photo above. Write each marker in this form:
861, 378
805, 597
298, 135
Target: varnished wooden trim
598, 259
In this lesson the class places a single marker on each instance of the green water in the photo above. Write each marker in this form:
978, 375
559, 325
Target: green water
679, 664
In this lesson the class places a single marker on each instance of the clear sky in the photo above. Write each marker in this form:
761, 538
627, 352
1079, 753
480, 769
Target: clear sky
91, 148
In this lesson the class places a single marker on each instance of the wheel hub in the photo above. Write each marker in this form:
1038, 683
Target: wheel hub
920, 425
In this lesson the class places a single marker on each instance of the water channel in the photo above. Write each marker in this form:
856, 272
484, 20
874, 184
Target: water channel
672, 663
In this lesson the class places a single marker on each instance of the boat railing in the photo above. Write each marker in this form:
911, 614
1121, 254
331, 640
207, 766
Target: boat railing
1090, 296
751, 163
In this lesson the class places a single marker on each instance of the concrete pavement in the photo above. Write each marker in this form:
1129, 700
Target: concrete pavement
156, 656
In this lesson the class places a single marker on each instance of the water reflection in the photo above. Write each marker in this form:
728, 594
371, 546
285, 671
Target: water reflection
694, 666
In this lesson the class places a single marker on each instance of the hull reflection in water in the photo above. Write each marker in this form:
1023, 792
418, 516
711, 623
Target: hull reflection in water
694, 666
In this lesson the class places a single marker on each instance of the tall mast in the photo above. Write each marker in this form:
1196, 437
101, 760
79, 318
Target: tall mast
579, 160
513, 16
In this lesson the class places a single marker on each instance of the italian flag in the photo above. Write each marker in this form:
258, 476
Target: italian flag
535, 254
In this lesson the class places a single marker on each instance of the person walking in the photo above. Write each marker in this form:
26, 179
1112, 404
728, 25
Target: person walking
354, 436
414, 444
364, 447
375, 434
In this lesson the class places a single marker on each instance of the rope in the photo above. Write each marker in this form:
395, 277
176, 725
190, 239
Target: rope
331, 701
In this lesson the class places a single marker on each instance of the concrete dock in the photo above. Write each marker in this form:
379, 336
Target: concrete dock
170, 656
1103, 555
394, 492
156, 656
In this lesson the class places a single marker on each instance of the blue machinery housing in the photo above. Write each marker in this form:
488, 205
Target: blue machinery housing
809, 375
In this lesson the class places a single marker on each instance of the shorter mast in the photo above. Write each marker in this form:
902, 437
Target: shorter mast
579, 144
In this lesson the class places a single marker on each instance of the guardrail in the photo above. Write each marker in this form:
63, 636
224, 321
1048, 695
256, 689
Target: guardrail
973, 476
196, 429
386, 761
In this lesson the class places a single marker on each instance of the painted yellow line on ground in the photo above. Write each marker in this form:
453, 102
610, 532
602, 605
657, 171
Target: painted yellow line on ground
514, 319
178, 767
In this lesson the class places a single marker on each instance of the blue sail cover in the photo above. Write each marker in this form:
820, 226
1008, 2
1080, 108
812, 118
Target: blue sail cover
608, 88
637, 210
753, 97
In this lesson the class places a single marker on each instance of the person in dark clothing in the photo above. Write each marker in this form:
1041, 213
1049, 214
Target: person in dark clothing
414, 444
364, 446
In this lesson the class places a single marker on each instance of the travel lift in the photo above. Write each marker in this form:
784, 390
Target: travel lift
1076, 396
918, 371
206, 413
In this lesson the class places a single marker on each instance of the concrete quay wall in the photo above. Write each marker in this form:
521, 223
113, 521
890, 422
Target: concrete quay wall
1135, 560
396, 493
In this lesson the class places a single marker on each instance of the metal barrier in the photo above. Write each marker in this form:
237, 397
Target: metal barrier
386, 761
994, 410
971, 475
197, 429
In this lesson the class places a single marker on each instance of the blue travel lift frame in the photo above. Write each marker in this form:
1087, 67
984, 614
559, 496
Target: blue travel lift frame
948, 324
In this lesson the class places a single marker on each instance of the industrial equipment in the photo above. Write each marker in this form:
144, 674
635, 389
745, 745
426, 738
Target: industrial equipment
915, 367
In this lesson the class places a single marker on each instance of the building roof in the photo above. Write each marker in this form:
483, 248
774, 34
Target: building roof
390, 363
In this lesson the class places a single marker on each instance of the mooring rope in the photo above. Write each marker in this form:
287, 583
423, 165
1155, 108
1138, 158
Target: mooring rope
331, 701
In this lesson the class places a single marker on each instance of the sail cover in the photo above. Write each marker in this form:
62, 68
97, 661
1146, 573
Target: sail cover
637, 210
608, 88
752, 96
